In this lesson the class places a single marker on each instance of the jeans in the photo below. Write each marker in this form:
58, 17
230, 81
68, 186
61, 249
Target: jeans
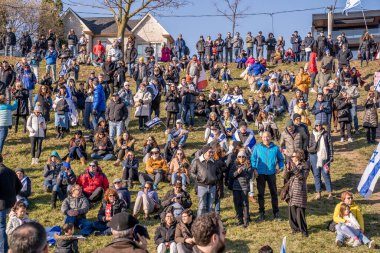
237, 52
102, 157
30, 100
343, 231
3, 235
249, 51
241, 204
87, 114
76, 152
317, 171
259, 51
201, 56
73, 49
95, 119
52, 67
84, 225
115, 126
35, 70
219, 56
261, 181
183, 178
3, 136
186, 109
354, 116
182, 140
229, 54
10, 48
206, 197
161, 248
36, 141
130, 69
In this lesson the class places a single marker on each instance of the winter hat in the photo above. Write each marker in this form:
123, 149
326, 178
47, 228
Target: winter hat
66, 165
20, 170
188, 78
289, 123
317, 122
38, 109
155, 150
179, 121
296, 115
55, 154
242, 153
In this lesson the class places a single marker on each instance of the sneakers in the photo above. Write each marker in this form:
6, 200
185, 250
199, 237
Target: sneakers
276, 216
317, 196
350, 140
372, 244
330, 196
253, 199
33, 161
351, 241
342, 139
339, 243
36, 160
357, 243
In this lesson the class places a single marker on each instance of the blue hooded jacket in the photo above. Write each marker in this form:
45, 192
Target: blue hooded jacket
51, 58
256, 69
28, 79
264, 159
99, 103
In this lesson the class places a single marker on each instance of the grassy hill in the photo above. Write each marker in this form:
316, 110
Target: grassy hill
349, 162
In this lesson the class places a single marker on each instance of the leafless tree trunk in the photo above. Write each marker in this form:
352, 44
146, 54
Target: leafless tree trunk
124, 10
231, 11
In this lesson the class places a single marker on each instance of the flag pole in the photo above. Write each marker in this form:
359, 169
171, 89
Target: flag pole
365, 21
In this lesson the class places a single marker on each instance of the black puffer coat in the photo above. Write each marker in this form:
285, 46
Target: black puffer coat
172, 101
165, 234
22, 98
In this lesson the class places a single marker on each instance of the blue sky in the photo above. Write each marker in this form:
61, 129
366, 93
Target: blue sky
191, 27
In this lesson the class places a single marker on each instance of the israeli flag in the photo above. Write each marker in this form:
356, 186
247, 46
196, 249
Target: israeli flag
350, 4
238, 99
225, 99
151, 123
249, 143
370, 175
283, 246
232, 98
73, 113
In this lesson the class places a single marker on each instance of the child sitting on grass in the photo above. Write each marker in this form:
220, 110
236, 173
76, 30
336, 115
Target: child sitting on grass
17, 217
66, 243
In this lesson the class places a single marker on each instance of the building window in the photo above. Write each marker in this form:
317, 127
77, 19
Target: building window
157, 50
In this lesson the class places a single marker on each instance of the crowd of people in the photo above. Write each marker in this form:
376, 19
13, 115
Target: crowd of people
232, 156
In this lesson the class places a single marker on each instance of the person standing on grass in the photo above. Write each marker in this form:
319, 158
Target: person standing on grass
29, 81
206, 173
51, 62
352, 95
265, 159
116, 114
5, 119
10, 186
37, 127
296, 175
21, 95
98, 104
370, 118
61, 108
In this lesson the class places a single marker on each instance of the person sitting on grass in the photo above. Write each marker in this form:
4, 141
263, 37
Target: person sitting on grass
66, 178
165, 234
229, 124
17, 217
75, 207
350, 222
51, 171
94, 182
201, 107
130, 169
176, 200
66, 242
26, 189
169, 150
149, 144
213, 121
178, 133
110, 206
156, 168
183, 236
102, 147
122, 191
146, 201
177, 168
77, 148
125, 142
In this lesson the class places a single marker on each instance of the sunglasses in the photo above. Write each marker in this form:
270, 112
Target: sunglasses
318, 125
242, 157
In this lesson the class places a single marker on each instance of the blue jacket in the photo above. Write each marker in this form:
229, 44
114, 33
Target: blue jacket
264, 159
180, 45
321, 115
99, 104
6, 114
28, 80
284, 102
51, 58
256, 69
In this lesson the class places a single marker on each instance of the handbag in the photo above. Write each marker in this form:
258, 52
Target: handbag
343, 113
284, 194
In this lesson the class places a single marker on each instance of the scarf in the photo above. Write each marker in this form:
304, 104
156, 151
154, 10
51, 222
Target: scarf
322, 152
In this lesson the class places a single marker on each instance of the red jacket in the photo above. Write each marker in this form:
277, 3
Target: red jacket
89, 184
99, 48
313, 63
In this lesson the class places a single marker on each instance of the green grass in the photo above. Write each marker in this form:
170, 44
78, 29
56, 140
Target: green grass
350, 161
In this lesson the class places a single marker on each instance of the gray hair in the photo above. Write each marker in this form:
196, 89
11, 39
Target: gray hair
28, 238
121, 234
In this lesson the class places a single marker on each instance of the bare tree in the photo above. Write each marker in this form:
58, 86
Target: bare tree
232, 11
124, 10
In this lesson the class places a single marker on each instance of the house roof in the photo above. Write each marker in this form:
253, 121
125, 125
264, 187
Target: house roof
353, 19
105, 25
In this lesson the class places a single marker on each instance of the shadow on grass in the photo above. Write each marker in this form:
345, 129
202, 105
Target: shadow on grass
237, 245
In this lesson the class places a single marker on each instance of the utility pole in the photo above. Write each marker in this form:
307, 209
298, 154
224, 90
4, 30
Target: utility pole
330, 19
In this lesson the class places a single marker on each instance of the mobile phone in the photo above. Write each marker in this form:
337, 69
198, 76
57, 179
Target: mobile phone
140, 230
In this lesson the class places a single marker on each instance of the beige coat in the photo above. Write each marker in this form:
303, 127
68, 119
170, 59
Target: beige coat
144, 108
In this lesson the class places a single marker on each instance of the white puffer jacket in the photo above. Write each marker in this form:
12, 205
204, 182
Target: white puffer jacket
36, 126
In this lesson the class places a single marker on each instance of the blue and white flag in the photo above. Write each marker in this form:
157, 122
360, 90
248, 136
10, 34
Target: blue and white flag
73, 113
350, 4
249, 143
370, 175
151, 123
283, 246
232, 98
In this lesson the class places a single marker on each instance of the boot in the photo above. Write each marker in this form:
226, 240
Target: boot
36, 160
82, 160
58, 132
117, 163
54, 199
130, 184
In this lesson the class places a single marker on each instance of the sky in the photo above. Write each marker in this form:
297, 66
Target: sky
191, 27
